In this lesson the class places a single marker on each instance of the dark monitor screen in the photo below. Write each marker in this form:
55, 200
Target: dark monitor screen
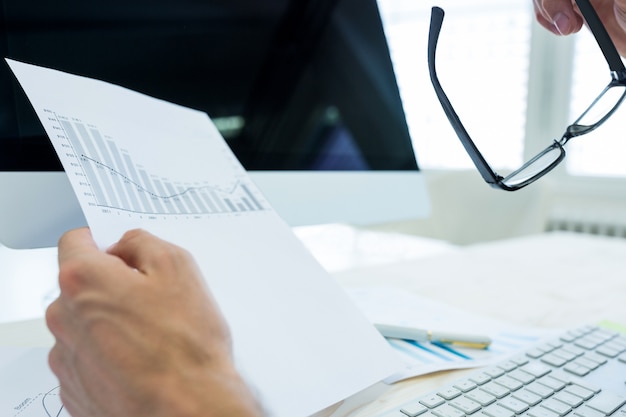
292, 84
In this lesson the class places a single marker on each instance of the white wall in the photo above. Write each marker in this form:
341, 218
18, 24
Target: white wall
466, 210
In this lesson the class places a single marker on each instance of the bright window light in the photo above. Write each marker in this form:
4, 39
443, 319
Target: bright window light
482, 62
602, 152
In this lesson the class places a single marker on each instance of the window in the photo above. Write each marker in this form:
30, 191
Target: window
483, 64
603, 152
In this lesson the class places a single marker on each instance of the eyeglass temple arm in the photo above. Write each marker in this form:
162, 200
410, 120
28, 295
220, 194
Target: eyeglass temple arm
436, 20
604, 40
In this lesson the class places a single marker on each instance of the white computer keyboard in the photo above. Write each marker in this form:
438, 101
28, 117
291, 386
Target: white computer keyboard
580, 374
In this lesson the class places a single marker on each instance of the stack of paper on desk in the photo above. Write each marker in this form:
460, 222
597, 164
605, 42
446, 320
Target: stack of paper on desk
138, 162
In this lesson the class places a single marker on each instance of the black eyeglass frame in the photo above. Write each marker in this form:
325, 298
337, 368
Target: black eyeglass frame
618, 78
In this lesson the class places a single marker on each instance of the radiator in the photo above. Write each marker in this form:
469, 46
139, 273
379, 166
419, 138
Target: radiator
607, 221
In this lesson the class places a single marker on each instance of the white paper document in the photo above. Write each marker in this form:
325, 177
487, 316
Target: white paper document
387, 305
138, 162
29, 389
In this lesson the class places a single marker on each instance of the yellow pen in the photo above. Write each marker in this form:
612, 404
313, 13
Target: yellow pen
420, 335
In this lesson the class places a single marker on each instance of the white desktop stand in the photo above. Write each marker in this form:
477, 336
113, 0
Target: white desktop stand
552, 280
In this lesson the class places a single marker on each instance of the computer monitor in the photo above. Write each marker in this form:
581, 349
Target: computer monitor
303, 91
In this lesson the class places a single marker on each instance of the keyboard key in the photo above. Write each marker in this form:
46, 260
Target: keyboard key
556, 344
573, 350
497, 411
553, 383
508, 366
579, 391
465, 385
606, 402
600, 337
481, 397
523, 377
520, 360
480, 378
496, 390
557, 406
587, 343
536, 369
494, 372
566, 354
527, 396
577, 369
588, 329
586, 361
509, 383
466, 405
596, 357
608, 351
413, 409
542, 390
449, 393
535, 353
541, 412
620, 340
604, 335
546, 347
513, 404
432, 401
569, 337
554, 360
447, 411
562, 376
569, 399
585, 411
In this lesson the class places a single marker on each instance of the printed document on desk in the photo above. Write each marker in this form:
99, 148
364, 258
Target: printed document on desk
29, 388
393, 306
138, 162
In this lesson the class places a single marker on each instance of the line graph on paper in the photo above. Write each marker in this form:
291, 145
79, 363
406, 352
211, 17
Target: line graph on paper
29, 388
111, 179
44, 404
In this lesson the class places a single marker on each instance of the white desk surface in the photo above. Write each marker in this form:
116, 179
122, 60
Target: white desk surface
556, 280
553, 281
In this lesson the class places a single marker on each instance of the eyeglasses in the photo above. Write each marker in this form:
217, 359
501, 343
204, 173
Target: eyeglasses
596, 114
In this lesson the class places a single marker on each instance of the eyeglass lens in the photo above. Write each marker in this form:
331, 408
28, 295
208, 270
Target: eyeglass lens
596, 113
537, 166
602, 106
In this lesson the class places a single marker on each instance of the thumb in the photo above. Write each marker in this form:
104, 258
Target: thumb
76, 243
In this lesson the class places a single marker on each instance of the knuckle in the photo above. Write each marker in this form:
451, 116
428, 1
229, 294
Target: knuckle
52, 316
72, 276
67, 278
171, 255
54, 360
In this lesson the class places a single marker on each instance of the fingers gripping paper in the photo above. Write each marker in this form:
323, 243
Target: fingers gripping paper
138, 162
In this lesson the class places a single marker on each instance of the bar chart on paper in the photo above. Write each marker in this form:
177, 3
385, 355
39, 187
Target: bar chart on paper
114, 181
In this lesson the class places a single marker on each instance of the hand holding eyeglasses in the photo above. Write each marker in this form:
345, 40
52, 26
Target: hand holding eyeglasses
599, 111
562, 17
